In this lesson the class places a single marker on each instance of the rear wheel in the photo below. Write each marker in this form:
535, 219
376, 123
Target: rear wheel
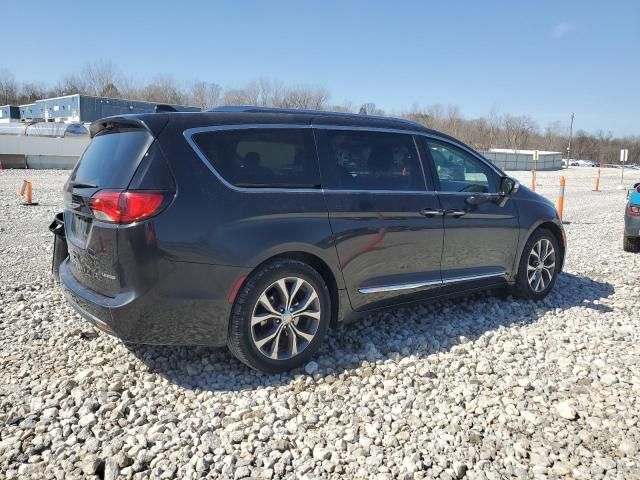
280, 316
631, 244
539, 264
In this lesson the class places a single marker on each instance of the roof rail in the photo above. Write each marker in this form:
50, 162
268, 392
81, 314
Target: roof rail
256, 109
161, 107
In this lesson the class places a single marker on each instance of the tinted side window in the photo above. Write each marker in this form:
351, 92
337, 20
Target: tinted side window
354, 160
460, 171
269, 157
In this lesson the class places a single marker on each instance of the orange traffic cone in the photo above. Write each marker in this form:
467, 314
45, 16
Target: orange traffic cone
27, 186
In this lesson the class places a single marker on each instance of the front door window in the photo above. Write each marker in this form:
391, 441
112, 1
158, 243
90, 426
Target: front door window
459, 171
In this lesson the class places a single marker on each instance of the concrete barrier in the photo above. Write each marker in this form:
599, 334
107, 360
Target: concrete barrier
20, 144
13, 160
523, 160
56, 162
41, 152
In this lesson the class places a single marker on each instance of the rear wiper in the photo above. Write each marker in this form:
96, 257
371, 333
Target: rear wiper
83, 185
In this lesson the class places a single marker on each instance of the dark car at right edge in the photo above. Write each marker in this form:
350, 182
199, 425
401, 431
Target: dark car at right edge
260, 229
631, 238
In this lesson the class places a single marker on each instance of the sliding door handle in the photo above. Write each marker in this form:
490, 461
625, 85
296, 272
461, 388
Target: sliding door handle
455, 213
431, 213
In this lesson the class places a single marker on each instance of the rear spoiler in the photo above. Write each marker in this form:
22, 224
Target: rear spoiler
152, 123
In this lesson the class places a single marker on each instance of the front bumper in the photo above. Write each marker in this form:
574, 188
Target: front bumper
187, 307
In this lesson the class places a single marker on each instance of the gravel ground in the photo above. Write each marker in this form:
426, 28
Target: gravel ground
481, 387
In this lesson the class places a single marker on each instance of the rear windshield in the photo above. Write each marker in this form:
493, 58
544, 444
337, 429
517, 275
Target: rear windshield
111, 158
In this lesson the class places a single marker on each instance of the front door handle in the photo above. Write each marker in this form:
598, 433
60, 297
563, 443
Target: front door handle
431, 213
455, 213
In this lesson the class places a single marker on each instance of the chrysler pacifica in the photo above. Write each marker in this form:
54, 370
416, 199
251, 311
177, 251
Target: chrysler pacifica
260, 229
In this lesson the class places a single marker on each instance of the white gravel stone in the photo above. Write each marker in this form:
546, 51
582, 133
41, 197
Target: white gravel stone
566, 410
485, 387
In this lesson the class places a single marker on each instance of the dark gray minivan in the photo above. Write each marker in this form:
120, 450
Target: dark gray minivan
262, 228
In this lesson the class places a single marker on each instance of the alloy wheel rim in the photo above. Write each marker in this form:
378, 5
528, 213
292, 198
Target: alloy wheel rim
541, 265
285, 318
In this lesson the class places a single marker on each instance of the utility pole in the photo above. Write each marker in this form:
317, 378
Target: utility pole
624, 156
570, 138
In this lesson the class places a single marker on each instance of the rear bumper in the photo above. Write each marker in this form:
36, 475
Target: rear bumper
631, 226
187, 307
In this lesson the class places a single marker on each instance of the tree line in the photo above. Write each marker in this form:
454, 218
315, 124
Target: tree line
496, 130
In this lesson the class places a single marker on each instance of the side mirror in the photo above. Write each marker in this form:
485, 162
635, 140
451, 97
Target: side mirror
508, 186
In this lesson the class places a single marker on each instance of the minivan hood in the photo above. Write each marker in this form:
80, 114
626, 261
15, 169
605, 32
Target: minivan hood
526, 193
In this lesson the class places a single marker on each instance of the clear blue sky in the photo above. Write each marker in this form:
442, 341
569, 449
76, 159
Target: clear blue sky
544, 58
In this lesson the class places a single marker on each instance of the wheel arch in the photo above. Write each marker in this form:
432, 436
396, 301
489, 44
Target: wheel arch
556, 229
561, 238
318, 264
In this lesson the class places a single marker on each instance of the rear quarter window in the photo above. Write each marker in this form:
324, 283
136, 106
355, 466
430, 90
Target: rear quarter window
112, 157
271, 157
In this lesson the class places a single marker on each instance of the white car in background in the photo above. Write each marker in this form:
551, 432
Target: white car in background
584, 163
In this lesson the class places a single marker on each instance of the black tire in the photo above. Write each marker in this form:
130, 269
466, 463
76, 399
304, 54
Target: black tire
631, 244
522, 287
240, 340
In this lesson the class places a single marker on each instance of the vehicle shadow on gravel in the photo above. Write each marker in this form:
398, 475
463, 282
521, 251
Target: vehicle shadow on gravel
420, 330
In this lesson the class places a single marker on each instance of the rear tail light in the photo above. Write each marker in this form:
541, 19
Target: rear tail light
634, 210
118, 206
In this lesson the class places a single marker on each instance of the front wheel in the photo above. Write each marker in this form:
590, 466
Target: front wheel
280, 316
538, 269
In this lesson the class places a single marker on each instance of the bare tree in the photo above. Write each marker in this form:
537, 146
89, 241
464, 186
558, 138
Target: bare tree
517, 130
100, 78
555, 136
163, 89
370, 109
205, 95
345, 107
128, 88
70, 85
306, 97
235, 96
494, 130
453, 120
264, 93
8, 88
495, 124
30, 92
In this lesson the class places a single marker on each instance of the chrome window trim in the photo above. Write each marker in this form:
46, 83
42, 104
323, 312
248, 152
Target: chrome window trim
429, 283
383, 192
190, 132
